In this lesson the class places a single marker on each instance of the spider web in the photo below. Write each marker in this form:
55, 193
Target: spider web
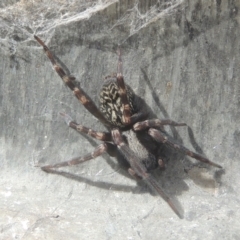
139, 17
28, 17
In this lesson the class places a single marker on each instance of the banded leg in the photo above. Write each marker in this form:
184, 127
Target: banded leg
127, 117
99, 150
162, 138
155, 123
138, 169
123, 92
102, 136
86, 101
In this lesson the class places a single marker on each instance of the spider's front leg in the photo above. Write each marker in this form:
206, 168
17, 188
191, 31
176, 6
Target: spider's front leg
139, 170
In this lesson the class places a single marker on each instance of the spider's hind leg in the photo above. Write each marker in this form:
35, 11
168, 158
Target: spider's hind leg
137, 169
127, 118
98, 151
139, 126
79, 93
123, 91
102, 136
162, 138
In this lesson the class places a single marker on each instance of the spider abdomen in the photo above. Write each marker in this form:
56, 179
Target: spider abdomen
110, 102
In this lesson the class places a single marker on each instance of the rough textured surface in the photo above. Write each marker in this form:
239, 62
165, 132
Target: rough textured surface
182, 57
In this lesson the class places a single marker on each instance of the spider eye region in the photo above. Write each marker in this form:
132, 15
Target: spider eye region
111, 105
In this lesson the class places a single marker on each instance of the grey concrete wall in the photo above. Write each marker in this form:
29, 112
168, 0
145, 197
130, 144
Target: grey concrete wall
182, 57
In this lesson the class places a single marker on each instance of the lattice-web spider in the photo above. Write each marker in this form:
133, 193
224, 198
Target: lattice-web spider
133, 132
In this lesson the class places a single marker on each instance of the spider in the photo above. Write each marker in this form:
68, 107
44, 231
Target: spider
134, 134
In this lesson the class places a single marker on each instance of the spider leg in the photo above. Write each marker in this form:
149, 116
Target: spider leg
139, 169
103, 136
99, 150
127, 117
86, 101
134, 175
123, 91
155, 123
162, 138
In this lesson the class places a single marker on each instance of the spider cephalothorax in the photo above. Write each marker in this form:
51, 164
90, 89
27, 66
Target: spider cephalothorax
133, 133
